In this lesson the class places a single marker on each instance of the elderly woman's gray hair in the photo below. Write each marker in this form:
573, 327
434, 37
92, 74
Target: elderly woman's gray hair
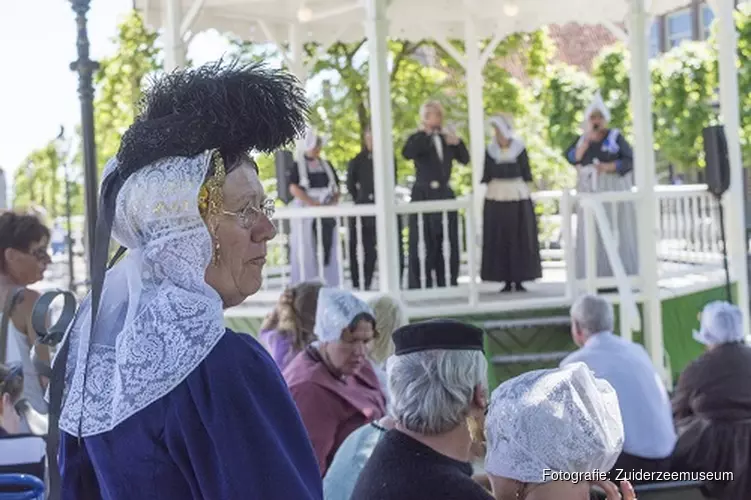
390, 314
592, 314
432, 391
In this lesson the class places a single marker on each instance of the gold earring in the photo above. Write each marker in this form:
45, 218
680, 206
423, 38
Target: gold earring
217, 247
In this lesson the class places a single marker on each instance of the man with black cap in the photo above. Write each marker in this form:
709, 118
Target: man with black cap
438, 383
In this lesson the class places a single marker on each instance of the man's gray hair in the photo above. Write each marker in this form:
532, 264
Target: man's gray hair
432, 391
592, 314
428, 105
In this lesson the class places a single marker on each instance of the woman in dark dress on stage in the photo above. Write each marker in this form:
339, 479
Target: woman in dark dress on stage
510, 248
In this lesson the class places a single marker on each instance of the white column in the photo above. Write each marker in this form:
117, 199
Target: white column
727, 39
476, 119
376, 29
644, 171
175, 52
295, 58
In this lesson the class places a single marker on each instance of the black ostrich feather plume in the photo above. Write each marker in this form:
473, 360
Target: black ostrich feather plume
231, 107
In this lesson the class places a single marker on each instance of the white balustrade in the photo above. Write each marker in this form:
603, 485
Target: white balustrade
687, 225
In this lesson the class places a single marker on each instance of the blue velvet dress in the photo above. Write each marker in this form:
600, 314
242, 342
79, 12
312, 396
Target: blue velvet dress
229, 431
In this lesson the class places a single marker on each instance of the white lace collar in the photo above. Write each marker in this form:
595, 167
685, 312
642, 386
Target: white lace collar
158, 319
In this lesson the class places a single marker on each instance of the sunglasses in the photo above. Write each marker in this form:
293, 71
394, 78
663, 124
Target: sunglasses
39, 254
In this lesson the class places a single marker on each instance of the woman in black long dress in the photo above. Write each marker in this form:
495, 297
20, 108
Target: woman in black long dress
510, 248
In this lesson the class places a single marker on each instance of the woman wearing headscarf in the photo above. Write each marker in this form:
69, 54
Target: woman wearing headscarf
288, 329
547, 422
604, 162
349, 460
510, 246
161, 400
332, 381
712, 405
314, 243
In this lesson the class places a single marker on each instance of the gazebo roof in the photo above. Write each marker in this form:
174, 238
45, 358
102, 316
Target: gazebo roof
329, 20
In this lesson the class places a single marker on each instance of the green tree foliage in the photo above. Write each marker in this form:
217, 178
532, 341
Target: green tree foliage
564, 95
39, 182
119, 83
683, 86
743, 25
611, 73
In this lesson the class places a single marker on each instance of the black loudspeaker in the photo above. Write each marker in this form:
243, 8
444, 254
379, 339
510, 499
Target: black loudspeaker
284, 161
716, 158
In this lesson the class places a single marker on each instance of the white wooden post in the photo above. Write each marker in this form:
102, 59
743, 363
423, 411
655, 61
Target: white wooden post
474, 66
376, 29
644, 171
295, 59
175, 52
727, 39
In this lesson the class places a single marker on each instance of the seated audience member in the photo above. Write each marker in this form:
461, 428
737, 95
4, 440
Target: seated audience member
438, 382
288, 329
389, 315
645, 406
563, 420
20, 453
712, 405
357, 448
332, 381
351, 457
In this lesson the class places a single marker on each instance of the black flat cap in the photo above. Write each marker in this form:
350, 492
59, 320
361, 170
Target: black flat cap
438, 334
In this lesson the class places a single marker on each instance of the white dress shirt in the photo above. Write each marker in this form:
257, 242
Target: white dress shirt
645, 406
438, 145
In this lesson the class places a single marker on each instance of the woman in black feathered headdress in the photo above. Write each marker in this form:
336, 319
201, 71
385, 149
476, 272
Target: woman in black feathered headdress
158, 396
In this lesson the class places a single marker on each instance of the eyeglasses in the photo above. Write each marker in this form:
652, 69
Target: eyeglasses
40, 254
250, 215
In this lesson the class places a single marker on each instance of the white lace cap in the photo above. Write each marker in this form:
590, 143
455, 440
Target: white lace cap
312, 137
335, 311
503, 125
562, 419
721, 323
158, 319
597, 104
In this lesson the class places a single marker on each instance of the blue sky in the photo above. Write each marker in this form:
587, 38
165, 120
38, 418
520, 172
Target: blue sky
38, 92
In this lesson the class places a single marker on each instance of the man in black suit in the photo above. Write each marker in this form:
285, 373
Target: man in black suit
433, 149
361, 185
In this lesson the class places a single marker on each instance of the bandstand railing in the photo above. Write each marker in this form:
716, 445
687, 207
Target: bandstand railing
687, 229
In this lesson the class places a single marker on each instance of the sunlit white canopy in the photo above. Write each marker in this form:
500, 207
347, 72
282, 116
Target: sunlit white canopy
329, 20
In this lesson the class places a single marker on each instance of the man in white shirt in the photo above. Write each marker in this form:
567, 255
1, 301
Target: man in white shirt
645, 406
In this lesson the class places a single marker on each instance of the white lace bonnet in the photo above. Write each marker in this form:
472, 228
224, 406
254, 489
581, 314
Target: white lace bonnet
562, 420
335, 311
721, 323
157, 318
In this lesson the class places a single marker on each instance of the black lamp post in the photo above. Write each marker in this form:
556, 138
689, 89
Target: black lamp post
64, 154
85, 68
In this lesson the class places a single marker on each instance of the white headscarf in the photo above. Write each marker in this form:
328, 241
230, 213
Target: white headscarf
597, 104
495, 151
158, 319
562, 420
335, 311
721, 323
312, 138
309, 142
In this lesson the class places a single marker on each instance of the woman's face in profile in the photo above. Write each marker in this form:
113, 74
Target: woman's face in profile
26, 268
241, 234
